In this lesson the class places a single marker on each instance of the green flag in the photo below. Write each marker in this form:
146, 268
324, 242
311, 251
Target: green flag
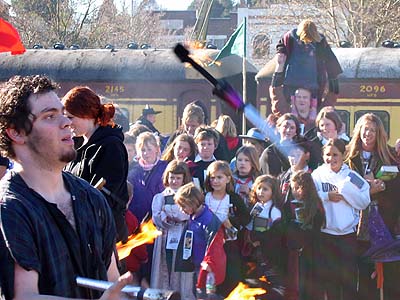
236, 43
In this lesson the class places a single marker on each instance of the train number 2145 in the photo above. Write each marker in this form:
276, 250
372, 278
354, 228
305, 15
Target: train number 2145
114, 89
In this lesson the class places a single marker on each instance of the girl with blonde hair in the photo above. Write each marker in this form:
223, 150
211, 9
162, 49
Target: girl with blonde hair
227, 128
201, 247
146, 179
232, 212
169, 219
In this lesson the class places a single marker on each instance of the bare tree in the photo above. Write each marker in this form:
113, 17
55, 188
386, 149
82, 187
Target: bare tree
138, 24
51, 21
85, 22
4, 10
364, 23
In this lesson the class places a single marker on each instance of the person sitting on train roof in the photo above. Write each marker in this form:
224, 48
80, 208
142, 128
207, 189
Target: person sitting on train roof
310, 61
192, 118
148, 118
303, 103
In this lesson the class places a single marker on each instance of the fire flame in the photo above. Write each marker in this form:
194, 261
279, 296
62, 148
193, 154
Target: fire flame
264, 279
195, 44
148, 232
243, 292
200, 57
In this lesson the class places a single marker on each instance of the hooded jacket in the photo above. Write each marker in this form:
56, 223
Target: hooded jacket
105, 156
341, 217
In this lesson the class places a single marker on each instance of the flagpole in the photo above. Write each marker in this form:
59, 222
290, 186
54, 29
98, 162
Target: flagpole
244, 75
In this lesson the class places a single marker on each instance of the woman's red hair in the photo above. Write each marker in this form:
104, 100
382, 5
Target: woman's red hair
83, 102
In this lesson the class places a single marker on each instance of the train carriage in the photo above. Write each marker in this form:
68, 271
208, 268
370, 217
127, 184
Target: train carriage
134, 78
370, 82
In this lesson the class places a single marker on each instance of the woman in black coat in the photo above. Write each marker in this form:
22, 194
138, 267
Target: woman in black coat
101, 153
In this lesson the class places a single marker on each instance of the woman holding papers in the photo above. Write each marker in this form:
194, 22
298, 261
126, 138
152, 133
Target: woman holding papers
368, 152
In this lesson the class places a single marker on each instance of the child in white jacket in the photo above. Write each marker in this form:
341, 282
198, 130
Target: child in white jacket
344, 193
342, 216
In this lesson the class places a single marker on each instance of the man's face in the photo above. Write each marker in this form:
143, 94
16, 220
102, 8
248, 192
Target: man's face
190, 126
302, 102
50, 141
151, 118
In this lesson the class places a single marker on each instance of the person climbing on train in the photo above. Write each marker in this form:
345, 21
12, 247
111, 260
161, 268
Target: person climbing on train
310, 62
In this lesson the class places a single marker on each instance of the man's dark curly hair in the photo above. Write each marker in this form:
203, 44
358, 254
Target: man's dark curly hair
14, 106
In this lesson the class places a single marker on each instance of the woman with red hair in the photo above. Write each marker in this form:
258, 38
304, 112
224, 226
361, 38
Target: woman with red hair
100, 149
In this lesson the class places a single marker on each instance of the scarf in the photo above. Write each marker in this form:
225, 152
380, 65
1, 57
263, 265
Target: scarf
148, 167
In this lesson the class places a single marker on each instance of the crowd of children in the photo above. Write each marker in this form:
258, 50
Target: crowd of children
242, 224
282, 211
279, 212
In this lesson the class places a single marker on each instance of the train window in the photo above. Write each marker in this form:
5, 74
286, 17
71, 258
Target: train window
383, 116
345, 116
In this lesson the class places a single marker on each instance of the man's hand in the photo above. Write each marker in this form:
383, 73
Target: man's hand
114, 291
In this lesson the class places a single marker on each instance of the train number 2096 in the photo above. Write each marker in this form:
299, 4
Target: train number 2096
372, 89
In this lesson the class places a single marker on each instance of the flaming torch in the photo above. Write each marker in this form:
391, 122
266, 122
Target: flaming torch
147, 233
243, 292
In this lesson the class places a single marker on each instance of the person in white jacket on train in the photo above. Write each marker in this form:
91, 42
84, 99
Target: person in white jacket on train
344, 193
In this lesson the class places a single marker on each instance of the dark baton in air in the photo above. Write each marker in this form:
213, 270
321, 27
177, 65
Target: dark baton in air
226, 92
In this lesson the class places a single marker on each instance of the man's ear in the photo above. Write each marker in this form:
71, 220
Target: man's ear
15, 136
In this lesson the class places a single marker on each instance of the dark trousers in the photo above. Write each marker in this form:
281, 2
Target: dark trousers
338, 268
367, 289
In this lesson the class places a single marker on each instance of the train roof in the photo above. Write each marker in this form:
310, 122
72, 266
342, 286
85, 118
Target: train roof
357, 63
118, 65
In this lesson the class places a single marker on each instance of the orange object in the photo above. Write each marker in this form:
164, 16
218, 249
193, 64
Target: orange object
243, 292
379, 275
148, 232
9, 39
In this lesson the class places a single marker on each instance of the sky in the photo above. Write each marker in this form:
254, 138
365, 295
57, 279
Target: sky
174, 4
166, 4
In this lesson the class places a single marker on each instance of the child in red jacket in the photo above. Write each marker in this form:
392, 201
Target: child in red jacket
138, 255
